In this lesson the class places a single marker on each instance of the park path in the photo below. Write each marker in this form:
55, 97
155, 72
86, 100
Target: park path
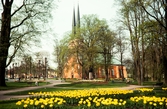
9, 97
53, 82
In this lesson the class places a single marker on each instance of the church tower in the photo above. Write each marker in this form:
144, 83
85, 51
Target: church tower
75, 20
78, 17
72, 68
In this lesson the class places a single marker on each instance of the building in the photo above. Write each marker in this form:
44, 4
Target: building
73, 69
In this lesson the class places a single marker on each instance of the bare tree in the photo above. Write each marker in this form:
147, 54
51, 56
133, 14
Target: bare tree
157, 9
133, 17
18, 25
106, 43
61, 53
121, 47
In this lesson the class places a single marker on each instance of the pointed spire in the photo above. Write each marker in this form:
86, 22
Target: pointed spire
78, 16
76, 19
73, 21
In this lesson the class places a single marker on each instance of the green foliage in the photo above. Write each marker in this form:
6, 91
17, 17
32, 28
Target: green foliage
92, 38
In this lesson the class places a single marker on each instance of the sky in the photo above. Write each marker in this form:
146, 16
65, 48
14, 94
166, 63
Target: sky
62, 20
63, 14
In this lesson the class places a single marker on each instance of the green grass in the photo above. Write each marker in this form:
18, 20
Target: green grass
15, 85
93, 85
145, 83
72, 86
40, 90
10, 104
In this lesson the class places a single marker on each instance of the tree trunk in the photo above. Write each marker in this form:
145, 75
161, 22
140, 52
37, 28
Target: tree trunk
2, 73
122, 71
138, 71
5, 38
165, 69
106, 73
165, 45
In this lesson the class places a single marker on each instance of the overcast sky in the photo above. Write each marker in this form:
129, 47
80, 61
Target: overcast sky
63, 14
62, 19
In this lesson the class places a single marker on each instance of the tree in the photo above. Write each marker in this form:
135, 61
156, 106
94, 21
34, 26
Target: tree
153, 49
121, 46
19, 23
26, 64
131, 15
157, 9
106, 43
129, 67
92, 39
61, 53
89, 33
146, 22
41, 63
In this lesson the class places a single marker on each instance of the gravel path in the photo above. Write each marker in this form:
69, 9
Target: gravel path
53, 82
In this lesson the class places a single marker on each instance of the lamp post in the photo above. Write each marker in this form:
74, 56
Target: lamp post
16, 69
46, 74
10, 72
30, 69
39, 62
13, 71
6, 73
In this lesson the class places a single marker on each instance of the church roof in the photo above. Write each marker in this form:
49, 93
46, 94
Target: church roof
114, 61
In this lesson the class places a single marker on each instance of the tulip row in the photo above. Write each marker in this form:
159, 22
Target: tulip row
93, 98
150, 102
41, 103
165, 89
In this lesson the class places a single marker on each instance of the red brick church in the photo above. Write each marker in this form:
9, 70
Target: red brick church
74, 70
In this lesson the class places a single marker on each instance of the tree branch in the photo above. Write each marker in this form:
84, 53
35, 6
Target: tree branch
2, 3
153, 16
17, 10
16, 48
20, 22
28, 16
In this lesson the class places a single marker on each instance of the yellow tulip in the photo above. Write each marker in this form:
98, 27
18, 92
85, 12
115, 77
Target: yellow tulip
42, 106
97, 104
59, 103
18, 103
51, 105
36, 103
89, 104
154, 104
160, 103
25, 105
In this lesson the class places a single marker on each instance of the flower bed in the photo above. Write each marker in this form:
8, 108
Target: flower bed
101, 98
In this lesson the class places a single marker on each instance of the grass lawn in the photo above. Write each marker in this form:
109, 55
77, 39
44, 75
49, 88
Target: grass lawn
14, 85
73, 86
10, 104
50, 89
94, 85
